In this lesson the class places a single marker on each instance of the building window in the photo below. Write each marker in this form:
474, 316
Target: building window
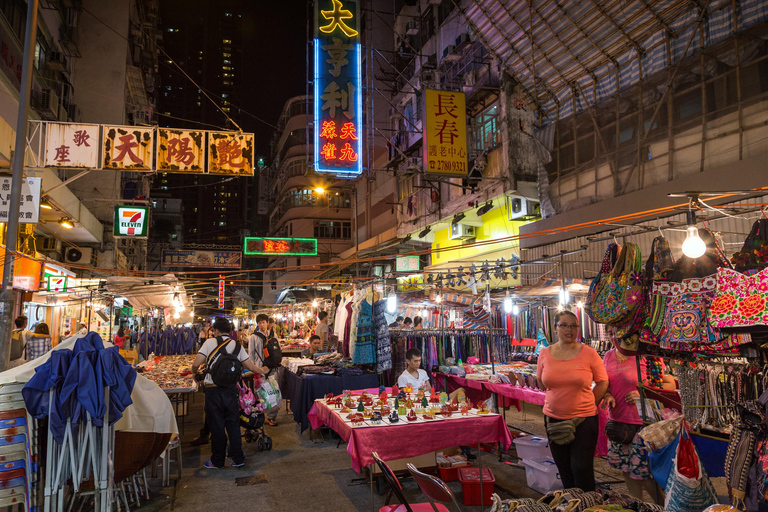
225, 41
333, 229
485, 130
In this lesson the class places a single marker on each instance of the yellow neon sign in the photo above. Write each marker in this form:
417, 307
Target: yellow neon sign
337, 17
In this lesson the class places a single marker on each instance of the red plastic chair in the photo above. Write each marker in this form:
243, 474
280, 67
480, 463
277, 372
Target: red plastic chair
397, 489
434, 488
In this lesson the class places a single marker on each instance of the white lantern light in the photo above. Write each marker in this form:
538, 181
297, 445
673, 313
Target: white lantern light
507, 304
694, 247
391, 304
515, 309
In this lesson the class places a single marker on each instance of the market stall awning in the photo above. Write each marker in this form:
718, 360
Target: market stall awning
146, 293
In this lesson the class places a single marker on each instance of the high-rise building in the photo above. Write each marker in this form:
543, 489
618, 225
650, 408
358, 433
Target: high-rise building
202, 43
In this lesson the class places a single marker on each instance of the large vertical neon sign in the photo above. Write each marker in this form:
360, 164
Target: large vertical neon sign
338, 95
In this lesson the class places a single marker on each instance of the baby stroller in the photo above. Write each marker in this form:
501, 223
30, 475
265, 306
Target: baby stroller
252, 417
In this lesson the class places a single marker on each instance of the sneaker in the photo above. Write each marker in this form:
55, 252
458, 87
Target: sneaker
238, 464
199, 441
271, 423
209, 465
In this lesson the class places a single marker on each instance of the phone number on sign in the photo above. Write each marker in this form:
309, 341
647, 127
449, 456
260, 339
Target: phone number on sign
447, 166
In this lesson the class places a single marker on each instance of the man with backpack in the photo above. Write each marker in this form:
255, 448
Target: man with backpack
20, 339
263, 349
225, 359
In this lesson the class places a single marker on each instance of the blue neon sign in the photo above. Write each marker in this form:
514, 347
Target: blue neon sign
338, 94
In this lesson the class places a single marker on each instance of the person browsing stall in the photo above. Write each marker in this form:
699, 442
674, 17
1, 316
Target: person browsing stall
256, 343
314, 346
221, 403
322, 331
626, 451
407, 322
566, 371
397, 323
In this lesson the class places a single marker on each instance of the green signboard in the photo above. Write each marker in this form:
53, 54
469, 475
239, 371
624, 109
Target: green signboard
258, 246
131, 221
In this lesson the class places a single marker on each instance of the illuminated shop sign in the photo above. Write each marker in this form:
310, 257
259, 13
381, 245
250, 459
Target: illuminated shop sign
257, 246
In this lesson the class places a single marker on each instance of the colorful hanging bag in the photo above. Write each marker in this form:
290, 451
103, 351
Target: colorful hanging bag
754, 252
609, 260
622, 291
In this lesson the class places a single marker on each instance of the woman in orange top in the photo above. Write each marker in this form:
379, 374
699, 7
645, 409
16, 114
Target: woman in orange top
566, 370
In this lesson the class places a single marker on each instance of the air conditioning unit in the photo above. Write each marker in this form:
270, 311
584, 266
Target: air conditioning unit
428, 77
81, 256
49, 103
462, 40
462, 231
449, 53
522, 208
412, 28
56, 61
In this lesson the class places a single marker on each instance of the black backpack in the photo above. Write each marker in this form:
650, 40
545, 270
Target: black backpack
224, 367
272, 355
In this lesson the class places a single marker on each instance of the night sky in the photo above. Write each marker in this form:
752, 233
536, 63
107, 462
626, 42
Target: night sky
274, 52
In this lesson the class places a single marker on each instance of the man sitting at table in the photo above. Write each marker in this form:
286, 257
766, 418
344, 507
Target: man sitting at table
314, 346
415, 377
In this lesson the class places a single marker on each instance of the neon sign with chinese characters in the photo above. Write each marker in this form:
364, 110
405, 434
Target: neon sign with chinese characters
221, 292
338, 94
257, 246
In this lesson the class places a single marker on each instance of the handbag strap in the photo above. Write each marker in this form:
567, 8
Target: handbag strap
609, 259
621, 262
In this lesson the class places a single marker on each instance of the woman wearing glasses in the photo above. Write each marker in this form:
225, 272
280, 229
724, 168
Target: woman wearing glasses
566, 370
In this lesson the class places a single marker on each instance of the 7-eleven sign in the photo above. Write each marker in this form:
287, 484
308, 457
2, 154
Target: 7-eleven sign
57, 283
131, 221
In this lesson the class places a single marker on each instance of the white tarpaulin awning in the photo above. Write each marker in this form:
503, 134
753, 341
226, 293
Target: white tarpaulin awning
148, 292
151, 410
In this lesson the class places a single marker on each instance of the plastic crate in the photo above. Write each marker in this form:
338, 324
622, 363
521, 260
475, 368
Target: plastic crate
470, 485
542, 475
531, 447
452, 474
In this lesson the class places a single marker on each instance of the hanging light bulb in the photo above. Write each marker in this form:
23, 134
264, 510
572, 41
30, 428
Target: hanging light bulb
314, 303
515, 309
176, 315
507, 304
392, 304
580, 304
438, 298
694, 247
564, 296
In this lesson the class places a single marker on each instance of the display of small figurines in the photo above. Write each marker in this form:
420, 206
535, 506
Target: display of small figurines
336, 402
455, 405
367, 413
382, 389
411, 416
376, 418
482, 407
394, 417
401, 409
446, 410
443, 398
424, 402
428, 416
409, 403
464, 408
434, 397
408, 389
328, 398
345, 410
420, 395
367, 400
434, 410
385, 410
383, 397
357, 418
360, 406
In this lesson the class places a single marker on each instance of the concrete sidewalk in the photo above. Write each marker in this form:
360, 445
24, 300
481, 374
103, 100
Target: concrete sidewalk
299, 474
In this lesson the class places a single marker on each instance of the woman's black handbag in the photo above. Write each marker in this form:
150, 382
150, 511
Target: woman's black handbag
622, 433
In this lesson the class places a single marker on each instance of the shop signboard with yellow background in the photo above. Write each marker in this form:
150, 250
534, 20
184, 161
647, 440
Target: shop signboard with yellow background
445, 133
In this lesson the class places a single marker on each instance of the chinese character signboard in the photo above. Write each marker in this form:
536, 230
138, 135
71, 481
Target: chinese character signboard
221, 292
445, 133
29, 206
257, 246
131, 221
338, 93
230, 153
210, 259
72, 145
414, 282
128, 147
180, 151
407, 264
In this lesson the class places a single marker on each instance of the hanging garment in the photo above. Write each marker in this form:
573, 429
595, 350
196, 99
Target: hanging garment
381, 334
365, 345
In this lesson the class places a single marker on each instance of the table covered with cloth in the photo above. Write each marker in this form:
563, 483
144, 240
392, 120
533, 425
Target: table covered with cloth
517, 394
407, 440
303, 390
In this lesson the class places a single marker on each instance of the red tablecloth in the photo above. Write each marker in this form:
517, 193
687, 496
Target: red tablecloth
409, 440
532, 396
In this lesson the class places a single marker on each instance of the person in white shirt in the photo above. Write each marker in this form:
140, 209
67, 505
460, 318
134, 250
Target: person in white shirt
221, 404
256, 343
416, 377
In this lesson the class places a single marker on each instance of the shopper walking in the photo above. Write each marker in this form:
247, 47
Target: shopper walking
256, 343
221, 405
626, 450
566, 370
20, 340
37, 346
119, 340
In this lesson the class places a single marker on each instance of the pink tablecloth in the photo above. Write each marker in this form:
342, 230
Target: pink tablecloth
409, 440
533, 396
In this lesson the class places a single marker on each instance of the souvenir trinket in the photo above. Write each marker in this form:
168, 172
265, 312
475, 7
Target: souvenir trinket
446, 411
394, 417
376, 417
411, 415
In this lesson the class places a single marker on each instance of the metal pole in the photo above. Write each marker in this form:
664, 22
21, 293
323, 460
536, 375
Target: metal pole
357, 245
6, 297
90, 308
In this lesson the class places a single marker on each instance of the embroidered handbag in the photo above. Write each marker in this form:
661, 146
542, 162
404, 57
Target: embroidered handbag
741, 301
609, 260
686, 492
621, 291
685, 319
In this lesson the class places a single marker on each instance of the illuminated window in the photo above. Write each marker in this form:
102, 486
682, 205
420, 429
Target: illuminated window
226, 61
198, 103
194, 210
227, 82
226, 55
222, 223
225, 95
225, 109
226, 68
225, 41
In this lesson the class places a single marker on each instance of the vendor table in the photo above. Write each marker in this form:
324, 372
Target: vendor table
303, 390
407, 439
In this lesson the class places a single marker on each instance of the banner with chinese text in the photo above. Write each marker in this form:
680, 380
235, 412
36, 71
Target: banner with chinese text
338, 96
230, 153
180, 151
258, 246
445, 133
72, 145
210, 259
128, 147
29, 204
